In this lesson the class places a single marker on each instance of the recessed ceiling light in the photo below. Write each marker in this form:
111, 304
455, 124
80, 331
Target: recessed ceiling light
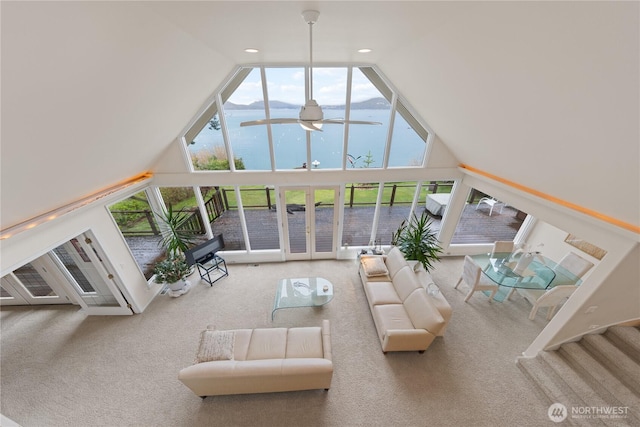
251, 50
365, 50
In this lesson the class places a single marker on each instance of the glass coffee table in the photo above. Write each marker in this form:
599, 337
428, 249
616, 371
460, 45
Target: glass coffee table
302, 292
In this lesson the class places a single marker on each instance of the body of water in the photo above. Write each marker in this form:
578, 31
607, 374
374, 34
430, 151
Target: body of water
366, 143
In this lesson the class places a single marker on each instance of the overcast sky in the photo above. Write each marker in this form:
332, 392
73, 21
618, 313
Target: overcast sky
287, 85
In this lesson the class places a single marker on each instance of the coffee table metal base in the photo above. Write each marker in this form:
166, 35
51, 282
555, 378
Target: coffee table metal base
302, 292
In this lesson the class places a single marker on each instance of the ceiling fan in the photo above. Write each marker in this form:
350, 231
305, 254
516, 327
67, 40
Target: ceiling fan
311, 117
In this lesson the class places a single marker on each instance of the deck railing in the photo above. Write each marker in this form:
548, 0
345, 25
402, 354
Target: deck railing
142, 222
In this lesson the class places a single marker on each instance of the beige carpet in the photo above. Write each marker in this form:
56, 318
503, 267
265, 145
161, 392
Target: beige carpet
63, 368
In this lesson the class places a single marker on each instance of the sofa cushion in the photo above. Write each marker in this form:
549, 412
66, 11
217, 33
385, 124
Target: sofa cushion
395, 261
422, 312
268, 343
391, 316
241, 345
215, 345
382, 293
304, 342
405, 282
373, 266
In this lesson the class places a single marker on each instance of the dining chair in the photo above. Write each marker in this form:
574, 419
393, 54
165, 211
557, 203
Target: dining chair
550, 298
502, 246
575, 264
474, 278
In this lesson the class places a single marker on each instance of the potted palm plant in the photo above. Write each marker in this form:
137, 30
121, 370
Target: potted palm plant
175, 239
417, 241
172, 271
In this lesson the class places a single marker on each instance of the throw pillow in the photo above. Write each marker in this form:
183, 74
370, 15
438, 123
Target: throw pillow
215, 345
374, 266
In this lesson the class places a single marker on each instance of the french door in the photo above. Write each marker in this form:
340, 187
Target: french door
28, 285
310, 221
75, 272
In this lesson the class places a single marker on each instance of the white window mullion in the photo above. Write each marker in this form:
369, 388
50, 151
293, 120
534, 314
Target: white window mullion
203, 212
392, 117
376, 213
347, 115
225, 133
243, 221
267, 115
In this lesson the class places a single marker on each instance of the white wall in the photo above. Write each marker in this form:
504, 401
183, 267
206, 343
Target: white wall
92, 93
609, 296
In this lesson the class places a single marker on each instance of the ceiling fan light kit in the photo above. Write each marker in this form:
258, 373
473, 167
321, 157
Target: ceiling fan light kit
311, 117
311, 113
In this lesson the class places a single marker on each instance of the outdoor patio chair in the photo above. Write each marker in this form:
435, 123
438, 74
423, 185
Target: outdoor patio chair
491, 202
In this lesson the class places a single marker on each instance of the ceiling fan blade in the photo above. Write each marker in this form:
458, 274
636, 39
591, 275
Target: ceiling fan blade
271, 121
351, 122
309, 126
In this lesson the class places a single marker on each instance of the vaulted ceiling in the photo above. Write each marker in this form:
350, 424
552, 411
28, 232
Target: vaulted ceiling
545, 94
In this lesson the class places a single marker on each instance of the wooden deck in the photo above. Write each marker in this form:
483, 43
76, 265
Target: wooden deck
475, 226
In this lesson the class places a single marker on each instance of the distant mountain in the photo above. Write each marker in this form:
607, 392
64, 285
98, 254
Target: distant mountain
259, 105
370, 104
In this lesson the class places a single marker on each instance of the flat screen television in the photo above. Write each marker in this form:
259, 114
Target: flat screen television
204, 251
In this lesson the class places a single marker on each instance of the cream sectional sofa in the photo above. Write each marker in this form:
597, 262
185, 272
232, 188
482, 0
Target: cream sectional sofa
263, 360
407, 318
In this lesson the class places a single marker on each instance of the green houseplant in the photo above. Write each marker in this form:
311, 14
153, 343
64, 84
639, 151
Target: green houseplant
172, 271
417, 241
175, 237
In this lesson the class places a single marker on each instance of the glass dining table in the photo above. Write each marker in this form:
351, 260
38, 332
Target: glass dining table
541, 273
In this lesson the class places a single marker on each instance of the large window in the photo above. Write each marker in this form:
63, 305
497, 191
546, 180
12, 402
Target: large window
255, 94
408, 143
359, 205
250, 144
138, 226
366, 143
486, 219
261, 217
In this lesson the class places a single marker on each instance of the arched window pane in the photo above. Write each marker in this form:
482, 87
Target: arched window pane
407, 147
206, 145
285, 88
330, 91
249, 144
367, 142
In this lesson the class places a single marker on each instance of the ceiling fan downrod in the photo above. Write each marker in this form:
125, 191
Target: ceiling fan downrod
310, 17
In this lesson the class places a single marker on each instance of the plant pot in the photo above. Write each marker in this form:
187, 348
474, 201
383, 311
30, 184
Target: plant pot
176, 286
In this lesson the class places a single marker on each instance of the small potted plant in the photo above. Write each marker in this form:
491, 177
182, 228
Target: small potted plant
172, 271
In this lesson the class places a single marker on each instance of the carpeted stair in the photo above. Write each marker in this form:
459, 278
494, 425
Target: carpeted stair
599, 371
